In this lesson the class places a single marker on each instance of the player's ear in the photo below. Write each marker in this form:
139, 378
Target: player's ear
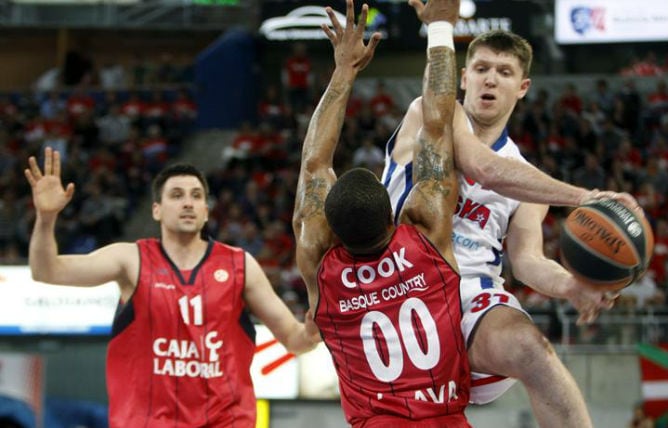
524, 88
462, 82
156, 211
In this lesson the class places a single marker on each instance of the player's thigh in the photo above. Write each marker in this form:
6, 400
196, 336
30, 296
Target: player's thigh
506, 342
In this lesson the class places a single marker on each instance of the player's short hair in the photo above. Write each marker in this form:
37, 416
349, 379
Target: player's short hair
358, 209
507, 42
173, 171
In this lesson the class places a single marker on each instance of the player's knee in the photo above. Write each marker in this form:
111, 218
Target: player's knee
530, 349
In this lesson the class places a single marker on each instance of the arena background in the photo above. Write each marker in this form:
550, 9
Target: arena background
203, 72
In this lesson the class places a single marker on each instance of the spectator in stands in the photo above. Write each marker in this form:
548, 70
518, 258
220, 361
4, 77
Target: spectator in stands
659, 97
603, 96
631, 102
570, 100
297, 78
79, 103
642, 293
273, 110
381, 102
369, 156
591, 175
52, 105
114, 127
134, 107
112, 75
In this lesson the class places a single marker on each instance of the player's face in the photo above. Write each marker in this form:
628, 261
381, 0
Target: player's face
184, 206
493, 83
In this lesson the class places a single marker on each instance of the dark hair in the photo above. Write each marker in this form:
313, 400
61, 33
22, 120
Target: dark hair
358, 209
173, 171
507, 42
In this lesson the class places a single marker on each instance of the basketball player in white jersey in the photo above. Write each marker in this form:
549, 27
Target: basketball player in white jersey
503, 344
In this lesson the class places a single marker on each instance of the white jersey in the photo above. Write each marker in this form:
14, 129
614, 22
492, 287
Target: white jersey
480, 220
480, 223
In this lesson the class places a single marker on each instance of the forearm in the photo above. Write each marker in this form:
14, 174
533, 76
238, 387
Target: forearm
325, 126
523, 182
299, 341
545, 276
43, 250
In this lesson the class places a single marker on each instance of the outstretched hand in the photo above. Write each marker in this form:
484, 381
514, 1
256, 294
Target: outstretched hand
48, 194
436, 10
348, 42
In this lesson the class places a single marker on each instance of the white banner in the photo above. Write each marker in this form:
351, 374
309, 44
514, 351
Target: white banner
31, 307
274, 370
610, 21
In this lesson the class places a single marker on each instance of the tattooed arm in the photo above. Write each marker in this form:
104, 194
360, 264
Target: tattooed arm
316, 175
432, 200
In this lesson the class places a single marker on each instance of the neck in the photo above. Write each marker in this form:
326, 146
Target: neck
184, 251
488, 133
375, 248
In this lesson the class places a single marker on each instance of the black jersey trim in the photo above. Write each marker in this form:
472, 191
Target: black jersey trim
195, 271
125, 314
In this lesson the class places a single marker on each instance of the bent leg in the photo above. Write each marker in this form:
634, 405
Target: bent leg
505, 342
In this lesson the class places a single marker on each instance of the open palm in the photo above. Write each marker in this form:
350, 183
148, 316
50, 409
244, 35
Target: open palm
348, 42
49, 195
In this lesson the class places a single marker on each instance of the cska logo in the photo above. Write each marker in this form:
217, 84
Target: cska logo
473, 211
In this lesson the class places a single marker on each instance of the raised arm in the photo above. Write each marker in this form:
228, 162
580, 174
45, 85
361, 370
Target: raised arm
316, 174
116, 262
432, 200
509, 177
506, 176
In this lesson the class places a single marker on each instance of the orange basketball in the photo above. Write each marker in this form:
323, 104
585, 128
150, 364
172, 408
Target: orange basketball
606, 244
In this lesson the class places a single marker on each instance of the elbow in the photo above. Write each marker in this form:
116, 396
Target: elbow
484, 173
38, 275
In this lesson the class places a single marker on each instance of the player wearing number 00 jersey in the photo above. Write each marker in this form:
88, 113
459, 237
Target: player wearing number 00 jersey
391, 322
173, 363
386, 297
479, 223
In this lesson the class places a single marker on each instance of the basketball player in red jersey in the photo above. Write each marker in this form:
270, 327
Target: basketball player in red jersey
386, 298
182, 342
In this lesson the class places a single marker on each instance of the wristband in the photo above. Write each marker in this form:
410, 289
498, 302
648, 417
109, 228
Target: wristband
439, 33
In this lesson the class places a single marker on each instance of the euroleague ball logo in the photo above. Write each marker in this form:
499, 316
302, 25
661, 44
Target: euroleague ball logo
585, 19
634, 229
221, 275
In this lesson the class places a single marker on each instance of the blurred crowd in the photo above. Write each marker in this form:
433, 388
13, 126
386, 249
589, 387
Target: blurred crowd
114, 140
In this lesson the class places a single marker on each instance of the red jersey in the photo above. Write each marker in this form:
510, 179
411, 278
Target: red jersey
298, 70
392, 324
182, 346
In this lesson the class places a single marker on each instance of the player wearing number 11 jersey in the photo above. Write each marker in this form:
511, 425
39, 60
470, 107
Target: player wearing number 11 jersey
182, 344
386, 298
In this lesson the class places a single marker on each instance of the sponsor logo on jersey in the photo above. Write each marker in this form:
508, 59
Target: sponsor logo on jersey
465, 242
468, 209
164, 286
183, 358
